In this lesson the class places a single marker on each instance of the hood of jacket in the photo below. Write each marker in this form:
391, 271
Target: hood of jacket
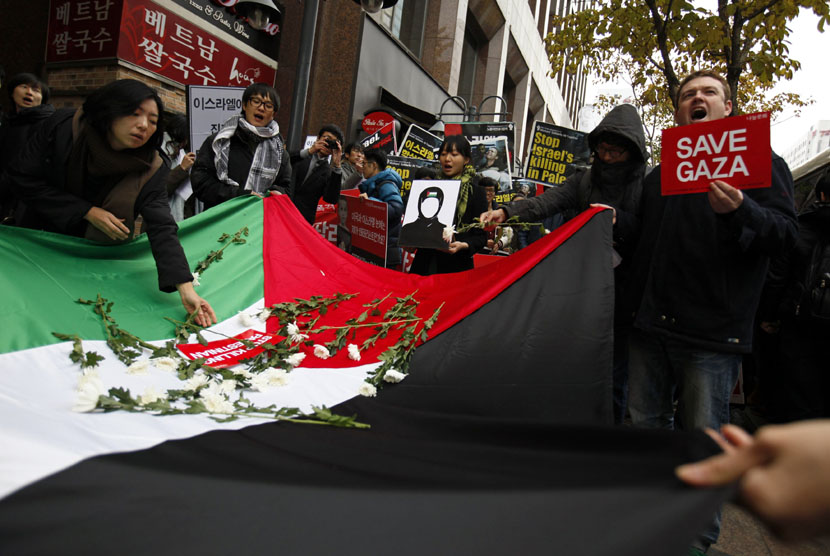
368, 185
622, 120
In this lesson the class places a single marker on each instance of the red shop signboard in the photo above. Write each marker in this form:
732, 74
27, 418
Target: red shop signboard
152, 37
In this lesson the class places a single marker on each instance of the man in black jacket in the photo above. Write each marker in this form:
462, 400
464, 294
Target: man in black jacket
313, 176
699, 268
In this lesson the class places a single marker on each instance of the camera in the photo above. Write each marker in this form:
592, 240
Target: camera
331, 144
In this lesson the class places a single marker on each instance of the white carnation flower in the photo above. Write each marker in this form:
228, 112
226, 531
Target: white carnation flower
393, 376
367, 390
216, 402
245, 319
196, 381
293, 332
90, 388
196, 279
321, 351
228, 386
151, 395
242, 371
264, 314
354, 353
88, 375
166, 364
448, 233
269, 378
139, 367
295, 359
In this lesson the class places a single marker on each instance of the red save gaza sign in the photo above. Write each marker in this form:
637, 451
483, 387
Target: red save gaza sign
734, 150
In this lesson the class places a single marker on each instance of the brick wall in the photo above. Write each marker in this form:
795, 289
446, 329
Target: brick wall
71, 85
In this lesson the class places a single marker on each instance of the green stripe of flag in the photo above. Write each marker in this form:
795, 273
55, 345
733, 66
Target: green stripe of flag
44, 274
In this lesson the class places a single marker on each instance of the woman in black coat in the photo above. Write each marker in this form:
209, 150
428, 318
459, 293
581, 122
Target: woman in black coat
91, 172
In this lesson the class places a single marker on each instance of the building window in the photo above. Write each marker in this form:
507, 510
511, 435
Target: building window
405, 21
469, 62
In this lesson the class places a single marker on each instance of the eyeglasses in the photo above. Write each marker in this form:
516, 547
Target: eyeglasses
256, 101
612, 152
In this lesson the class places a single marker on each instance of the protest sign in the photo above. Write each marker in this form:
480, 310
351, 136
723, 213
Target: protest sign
735, 150
325, 220
406, 168
521, 186
482, 131
491, 161
420, 143
429, 208
555, 153
226, 352
383, 139
362, 227
208, 108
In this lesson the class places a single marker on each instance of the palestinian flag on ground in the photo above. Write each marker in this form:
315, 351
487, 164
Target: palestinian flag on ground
493, 444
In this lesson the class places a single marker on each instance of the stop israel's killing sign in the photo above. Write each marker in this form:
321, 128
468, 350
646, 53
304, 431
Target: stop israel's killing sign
734, 150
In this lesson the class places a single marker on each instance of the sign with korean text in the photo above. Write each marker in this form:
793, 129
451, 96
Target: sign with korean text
383, 139
362, 227
82, 29
555, 153
420, 143
159, 40
406, 169
208, 108
734, 150
483, 131
227, 352
219, 15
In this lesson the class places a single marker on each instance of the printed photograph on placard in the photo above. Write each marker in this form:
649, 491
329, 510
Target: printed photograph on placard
429, 209
490, 160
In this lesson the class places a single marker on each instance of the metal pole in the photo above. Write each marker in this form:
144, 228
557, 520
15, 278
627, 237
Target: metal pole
295, 123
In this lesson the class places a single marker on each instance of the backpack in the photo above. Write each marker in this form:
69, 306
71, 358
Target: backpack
816, 298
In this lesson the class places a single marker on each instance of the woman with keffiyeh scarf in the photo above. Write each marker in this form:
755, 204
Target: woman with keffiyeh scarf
455, 154
247, 156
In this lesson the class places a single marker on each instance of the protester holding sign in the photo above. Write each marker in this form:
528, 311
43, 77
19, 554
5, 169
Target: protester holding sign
700, 266
91, 172
615, 179
454, 157
247, 156
383, 184
351, 166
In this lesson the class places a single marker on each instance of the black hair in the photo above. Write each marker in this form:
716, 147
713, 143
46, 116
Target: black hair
176, 126
118, 99
333, 129
377, 156
263, 90
425, 173
28, 79
353, 147
458, 143
484, 181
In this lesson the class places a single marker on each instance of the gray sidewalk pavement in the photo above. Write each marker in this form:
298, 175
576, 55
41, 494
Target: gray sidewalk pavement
743, 535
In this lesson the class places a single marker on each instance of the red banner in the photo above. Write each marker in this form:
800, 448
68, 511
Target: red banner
82, 29
160, 41
228, 352
735, 150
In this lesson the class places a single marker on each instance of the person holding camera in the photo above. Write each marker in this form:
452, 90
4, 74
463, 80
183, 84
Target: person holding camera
314, 176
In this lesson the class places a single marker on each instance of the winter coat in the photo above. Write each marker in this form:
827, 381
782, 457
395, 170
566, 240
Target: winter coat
39, 179
698, 274
306, 189
211, 191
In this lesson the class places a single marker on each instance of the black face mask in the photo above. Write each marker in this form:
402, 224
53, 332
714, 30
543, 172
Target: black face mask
611, 174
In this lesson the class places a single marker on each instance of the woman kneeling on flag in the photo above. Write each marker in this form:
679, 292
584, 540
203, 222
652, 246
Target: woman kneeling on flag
90, 172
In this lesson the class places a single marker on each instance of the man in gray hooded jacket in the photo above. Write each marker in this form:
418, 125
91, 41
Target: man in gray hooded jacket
615, 180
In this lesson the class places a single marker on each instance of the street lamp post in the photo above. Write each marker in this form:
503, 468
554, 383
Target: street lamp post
470, 113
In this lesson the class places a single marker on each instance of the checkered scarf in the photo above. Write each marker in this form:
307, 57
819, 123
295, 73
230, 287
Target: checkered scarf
267, 158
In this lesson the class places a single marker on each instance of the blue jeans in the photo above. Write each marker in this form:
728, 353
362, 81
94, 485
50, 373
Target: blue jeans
662, 370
